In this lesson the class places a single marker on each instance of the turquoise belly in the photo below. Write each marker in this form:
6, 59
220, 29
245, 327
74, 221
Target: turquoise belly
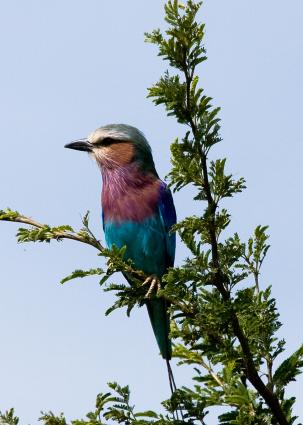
145, 242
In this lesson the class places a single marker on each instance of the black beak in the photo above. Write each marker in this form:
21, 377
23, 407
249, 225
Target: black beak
80, 145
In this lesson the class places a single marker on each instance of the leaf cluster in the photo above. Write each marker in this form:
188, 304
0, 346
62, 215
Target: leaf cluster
110, 407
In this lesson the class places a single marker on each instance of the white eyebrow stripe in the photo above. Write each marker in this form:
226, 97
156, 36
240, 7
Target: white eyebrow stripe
118, 132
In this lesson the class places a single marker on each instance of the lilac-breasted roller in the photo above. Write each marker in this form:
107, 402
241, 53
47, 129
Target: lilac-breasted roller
137, 210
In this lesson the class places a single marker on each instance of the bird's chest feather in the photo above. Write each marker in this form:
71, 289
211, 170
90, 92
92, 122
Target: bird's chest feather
132, 219
126, 202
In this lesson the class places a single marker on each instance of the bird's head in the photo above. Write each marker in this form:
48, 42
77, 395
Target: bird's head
117, 145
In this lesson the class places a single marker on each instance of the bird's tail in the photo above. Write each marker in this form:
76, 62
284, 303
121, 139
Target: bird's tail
171, 378
159, 318
173, 388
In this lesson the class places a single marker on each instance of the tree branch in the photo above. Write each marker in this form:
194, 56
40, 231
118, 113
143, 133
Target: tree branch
251, 371
57, 234
88, 239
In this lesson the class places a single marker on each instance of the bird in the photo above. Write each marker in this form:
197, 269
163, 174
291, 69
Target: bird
138, 212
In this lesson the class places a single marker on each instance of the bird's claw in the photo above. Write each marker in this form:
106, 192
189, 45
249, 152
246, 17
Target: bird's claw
154, 282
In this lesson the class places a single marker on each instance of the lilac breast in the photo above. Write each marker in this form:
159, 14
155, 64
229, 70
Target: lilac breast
128, 195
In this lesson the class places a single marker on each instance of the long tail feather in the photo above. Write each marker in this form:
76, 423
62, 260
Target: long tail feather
171, 378
173, 388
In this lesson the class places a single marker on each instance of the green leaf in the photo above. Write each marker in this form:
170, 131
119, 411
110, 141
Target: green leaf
9, 215
82, 273
289, 369
8, 418
147, 414
51, 419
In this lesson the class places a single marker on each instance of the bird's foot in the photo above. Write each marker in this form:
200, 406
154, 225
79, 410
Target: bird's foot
154, 283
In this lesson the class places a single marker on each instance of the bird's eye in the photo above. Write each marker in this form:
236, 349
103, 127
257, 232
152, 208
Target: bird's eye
107, 141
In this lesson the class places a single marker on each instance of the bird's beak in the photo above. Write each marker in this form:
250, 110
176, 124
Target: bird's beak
80, 145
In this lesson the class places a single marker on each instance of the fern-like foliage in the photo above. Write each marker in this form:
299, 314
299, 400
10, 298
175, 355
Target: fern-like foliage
224, 320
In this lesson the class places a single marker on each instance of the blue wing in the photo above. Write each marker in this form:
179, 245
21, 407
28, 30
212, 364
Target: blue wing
103, 223
168, 216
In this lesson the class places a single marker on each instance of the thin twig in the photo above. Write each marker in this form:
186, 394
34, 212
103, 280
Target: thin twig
57, 234
212, 373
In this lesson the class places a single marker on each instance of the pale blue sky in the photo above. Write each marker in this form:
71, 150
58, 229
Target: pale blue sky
70, 66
